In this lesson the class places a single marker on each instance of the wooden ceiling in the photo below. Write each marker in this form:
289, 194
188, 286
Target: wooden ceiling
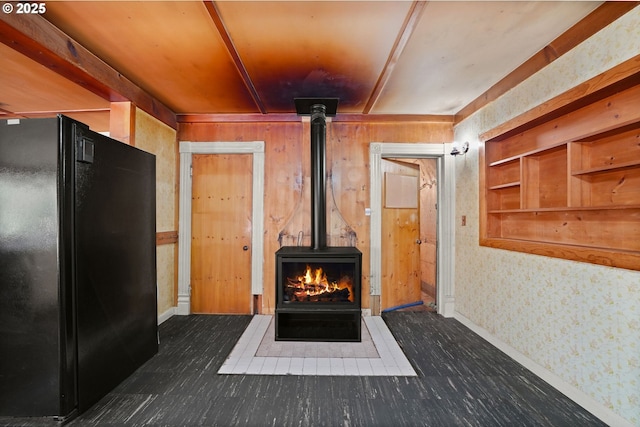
181, 60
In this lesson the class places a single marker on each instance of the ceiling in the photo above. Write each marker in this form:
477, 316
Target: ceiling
241, 57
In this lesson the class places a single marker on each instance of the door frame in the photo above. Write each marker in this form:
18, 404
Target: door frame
446, 215
187, 150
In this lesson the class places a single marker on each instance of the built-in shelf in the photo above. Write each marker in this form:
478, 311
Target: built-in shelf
506, 185
581, 247
533, 152
505, 161
607, 168
568, 187
566, 209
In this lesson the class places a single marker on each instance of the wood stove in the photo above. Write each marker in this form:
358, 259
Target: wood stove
318, 287
318, 294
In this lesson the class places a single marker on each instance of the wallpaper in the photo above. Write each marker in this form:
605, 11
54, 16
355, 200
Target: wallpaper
580, 321
159, 139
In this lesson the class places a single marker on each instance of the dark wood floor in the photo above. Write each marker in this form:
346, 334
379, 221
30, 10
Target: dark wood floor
462, 381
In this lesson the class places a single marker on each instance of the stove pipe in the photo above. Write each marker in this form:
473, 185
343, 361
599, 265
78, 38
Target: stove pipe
318, 177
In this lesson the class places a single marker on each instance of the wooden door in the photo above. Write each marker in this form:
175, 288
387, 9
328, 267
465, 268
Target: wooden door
400, 234
221, 234
428, 225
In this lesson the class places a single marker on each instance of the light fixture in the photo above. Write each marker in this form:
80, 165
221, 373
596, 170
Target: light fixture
460, 150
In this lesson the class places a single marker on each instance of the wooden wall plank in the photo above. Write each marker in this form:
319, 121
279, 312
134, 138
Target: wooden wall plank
122, 122
292, 117
166, 238
287, 173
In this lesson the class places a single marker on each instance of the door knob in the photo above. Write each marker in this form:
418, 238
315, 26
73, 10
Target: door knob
245, 248
418, 241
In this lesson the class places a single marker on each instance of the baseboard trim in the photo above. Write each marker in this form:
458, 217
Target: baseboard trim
184, 306
605, 414
166, 315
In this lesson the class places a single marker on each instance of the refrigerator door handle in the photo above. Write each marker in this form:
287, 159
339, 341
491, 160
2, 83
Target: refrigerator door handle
84, 149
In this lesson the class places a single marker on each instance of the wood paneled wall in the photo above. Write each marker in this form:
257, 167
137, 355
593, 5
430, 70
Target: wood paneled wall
287, 178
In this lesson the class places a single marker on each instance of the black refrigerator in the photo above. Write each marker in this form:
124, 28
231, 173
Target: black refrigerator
78, 307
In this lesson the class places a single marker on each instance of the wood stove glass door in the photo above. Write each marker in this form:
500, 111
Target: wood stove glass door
221, 234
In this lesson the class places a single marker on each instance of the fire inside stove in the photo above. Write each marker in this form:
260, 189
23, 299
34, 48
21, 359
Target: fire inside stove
313, 286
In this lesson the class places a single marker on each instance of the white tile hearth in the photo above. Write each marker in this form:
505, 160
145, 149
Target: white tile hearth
269, 347
257, 353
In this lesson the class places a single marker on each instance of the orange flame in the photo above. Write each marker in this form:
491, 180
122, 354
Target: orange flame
314, 283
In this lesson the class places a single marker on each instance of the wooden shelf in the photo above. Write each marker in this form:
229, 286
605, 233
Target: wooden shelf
566, 187
615, 132
607, 168
583, 253
581, 246
505, 161
529, 153
506, 185
566, 209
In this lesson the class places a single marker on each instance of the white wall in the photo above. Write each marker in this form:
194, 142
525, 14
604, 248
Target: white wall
579, 321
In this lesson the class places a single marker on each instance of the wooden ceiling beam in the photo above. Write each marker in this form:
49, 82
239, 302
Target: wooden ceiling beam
293, 117
3, 111
235, 56
408, 27
604, 15
38, 39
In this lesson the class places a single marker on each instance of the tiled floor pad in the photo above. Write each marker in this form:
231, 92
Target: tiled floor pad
269, 347
258, 353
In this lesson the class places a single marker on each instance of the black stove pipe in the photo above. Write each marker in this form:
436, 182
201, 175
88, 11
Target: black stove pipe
318, 177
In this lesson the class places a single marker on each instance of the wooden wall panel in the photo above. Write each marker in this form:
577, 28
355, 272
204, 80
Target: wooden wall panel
286, 204
436, 132
288, 170
348, 165
287, 178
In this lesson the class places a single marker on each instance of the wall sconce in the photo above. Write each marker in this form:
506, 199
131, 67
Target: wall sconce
459, 150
